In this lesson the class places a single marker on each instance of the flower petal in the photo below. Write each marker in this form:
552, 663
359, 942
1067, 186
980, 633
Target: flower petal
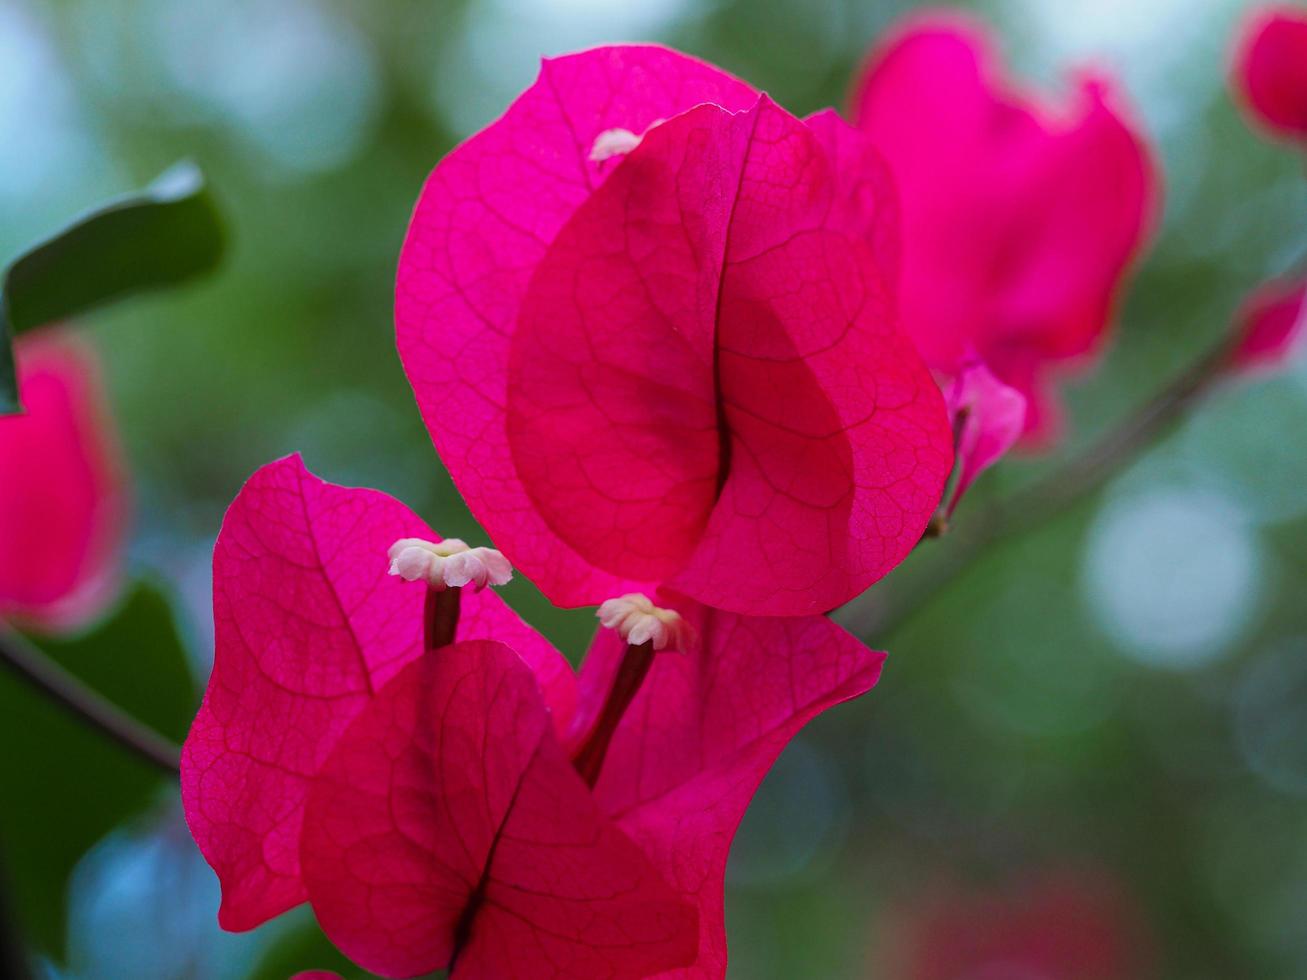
448, 822
1270, 69
840, 444
63, 489
998, 256
724, 286
309, 626
704, 730
995, 417
483, 222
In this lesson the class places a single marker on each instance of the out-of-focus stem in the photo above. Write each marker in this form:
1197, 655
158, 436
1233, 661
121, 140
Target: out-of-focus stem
92, 708
1046, 498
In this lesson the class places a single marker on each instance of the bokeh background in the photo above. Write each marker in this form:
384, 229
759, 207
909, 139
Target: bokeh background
1118, 699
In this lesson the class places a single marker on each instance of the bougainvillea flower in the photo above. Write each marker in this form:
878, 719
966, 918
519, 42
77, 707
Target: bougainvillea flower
427, 803
1056, 925
649, 319
1020, 217
988, 418
63, 489
309, 625
1270, 69
1271, 326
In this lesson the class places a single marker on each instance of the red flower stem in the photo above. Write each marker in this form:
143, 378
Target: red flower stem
440, 617
86, 704
589, 758
1034, 505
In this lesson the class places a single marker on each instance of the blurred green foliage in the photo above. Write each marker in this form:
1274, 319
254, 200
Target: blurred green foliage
66, 786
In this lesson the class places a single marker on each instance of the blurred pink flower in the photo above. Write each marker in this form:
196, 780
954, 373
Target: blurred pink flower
1020, 217
1271, 325
988, 418
1270, 69
1054, 925
63, 489
425, 803
649, 319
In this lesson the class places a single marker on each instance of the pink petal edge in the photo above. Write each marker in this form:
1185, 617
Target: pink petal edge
703, 732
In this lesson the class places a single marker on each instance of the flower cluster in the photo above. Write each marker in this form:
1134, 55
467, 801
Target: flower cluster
1067, 923
707, 366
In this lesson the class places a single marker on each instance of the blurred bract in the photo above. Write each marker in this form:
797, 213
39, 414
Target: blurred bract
1020, 216
63, 493
1271, 69
1087, 748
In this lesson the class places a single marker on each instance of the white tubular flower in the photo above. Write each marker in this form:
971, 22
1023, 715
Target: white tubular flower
613, 143
448, 564
637, 620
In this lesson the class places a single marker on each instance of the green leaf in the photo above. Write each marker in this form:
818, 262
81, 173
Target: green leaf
65, 784
165, 235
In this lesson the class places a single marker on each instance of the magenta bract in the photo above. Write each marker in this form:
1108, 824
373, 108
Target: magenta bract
674, 362
1271, 325
988, 419
63, 489
1270, 69
1071, 924
426, 804
308, 628
448, 821
1020, 218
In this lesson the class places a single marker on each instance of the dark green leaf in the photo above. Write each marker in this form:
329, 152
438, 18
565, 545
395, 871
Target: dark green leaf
162, 236
65, 784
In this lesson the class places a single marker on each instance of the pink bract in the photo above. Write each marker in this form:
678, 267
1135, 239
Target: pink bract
1020, 217
426, 805
1270, 69
63, 489
678, 365
1271, 326
309, 626
988, 418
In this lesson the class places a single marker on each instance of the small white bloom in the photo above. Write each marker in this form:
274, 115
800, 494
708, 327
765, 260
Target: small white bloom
448, 564
637, 620
612, 143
